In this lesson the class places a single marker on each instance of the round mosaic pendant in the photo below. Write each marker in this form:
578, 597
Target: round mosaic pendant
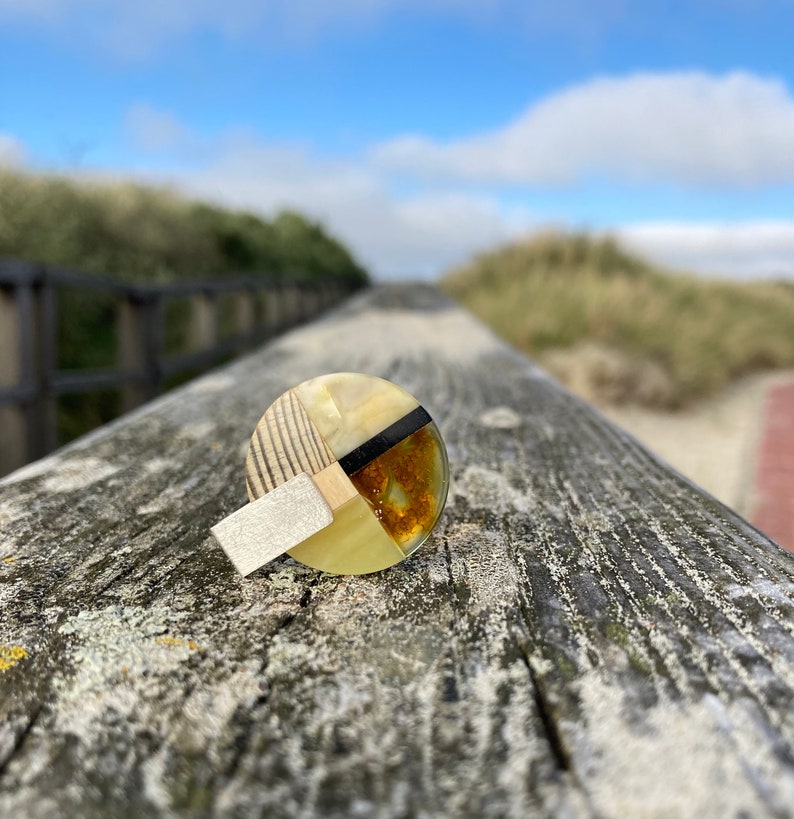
374, 454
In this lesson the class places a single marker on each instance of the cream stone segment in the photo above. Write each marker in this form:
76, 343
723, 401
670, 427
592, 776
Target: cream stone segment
348, 409
356, 543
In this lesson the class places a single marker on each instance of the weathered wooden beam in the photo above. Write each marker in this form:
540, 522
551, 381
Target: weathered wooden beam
586, 635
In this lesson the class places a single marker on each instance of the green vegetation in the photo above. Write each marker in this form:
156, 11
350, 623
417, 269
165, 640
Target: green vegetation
620, 330
141, 234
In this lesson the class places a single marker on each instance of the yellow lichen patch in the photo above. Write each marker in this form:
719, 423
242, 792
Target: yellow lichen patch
10, 656
176, 642
9, 559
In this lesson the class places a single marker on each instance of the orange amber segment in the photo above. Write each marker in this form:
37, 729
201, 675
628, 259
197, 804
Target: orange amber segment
402, 486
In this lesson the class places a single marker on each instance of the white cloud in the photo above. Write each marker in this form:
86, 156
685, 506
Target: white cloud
33, 9
742, 249
152, 130
12, 151
419, 235
424, 234
688, 128
136, 29
393, 236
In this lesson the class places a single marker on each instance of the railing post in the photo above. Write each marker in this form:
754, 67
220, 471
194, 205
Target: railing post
292, 304
306, 293
273, 307
13, 421
261, 300
45, 413
203, 321
311, 304
140, 347
318, 296
28, 359
326, 295
245, 315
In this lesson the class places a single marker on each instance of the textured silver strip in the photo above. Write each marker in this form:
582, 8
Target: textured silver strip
273, 524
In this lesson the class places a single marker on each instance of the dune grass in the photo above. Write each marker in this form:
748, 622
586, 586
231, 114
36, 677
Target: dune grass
621, 330
144, 234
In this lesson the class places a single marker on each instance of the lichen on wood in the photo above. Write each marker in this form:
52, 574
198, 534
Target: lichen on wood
586, 633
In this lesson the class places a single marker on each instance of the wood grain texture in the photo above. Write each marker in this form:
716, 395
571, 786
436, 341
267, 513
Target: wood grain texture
586, 635
284, 444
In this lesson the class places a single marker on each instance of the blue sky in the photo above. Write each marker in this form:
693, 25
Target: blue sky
422, 131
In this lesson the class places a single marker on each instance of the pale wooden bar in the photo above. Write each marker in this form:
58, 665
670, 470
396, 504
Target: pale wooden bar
586, 635
204, 321
139, 347
245, 312
13, 422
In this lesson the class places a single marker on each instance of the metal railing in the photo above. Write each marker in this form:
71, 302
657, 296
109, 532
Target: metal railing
31, 378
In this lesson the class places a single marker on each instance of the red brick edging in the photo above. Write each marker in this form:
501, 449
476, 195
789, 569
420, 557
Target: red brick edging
774, 470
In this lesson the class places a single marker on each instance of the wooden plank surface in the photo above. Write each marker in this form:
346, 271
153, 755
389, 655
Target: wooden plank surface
586, 635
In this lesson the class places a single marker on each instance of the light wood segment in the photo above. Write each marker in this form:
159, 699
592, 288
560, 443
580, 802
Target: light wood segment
284, 444
335, 485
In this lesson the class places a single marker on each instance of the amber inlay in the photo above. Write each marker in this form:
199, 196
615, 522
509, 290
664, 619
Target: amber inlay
400, 485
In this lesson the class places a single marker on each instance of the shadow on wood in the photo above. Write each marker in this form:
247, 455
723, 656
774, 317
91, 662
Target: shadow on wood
587, 634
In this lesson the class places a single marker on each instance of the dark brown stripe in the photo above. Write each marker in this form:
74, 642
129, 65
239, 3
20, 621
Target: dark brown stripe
279, 449
319, 444
256, 459
384, 441
309, 436
263, 461
291, 450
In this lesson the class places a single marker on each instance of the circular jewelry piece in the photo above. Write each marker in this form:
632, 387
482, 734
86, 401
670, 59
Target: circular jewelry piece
374, 454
